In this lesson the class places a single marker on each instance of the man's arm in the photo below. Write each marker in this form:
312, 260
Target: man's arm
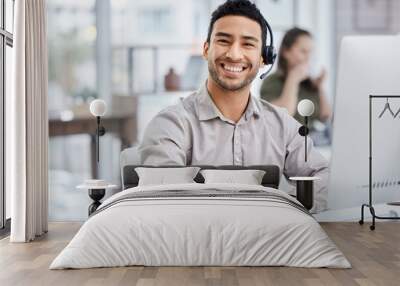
316, 164
163, 141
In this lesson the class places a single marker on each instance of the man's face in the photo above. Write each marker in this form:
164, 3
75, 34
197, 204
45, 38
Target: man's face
234, 52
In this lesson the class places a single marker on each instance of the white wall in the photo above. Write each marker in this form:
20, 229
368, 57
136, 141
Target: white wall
319, 18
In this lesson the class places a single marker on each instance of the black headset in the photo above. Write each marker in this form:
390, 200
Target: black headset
268, 52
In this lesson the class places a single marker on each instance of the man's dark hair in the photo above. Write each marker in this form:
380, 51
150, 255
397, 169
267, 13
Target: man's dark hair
239, 8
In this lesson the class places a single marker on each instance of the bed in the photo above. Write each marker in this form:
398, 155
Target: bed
201, 224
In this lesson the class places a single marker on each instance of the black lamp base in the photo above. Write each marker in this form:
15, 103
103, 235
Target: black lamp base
96, 195
305, 193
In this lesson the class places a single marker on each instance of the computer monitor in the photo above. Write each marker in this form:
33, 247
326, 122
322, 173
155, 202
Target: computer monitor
368, 65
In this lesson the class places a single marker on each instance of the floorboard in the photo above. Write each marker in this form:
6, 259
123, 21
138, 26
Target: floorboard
374, 255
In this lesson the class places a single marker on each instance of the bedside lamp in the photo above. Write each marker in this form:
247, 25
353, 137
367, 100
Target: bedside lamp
306, 109
96, 187
304, 185
98, 108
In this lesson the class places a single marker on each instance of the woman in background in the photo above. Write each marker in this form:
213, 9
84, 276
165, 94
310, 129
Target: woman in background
292, 83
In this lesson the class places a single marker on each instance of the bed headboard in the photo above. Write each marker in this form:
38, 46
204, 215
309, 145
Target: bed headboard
129, 160
270, 179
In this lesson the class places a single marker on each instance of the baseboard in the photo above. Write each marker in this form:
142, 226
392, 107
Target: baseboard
354, 214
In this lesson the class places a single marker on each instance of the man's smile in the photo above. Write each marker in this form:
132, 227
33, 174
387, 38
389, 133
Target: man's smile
233, 69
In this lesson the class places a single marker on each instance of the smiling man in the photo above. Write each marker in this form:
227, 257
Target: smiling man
221, 123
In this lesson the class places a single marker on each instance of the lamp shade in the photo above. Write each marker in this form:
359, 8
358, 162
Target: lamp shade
98, 107
305, 107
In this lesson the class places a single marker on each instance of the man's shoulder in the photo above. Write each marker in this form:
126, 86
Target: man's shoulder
270, 110
278, 119
182, 109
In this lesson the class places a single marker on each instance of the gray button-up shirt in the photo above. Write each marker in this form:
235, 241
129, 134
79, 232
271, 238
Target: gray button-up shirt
194, 132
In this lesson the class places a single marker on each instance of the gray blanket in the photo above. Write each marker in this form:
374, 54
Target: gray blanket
204, 194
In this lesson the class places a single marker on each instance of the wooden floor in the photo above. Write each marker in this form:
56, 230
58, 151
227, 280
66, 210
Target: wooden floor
374, 255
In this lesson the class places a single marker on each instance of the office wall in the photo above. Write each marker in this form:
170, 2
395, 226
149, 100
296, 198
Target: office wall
318, 17
137, 27
367, 17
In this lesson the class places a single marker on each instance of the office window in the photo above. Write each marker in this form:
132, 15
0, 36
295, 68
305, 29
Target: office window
72, 85
155, 20
6, 43
9, 12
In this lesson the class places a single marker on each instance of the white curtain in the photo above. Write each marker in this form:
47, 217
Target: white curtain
27, 124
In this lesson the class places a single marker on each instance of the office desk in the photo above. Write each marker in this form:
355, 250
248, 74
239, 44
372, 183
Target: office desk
122, 125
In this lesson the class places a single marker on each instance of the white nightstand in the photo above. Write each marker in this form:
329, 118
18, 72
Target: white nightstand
96, 193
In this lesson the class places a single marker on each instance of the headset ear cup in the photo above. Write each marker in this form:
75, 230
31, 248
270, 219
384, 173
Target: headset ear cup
265, 55
269, 55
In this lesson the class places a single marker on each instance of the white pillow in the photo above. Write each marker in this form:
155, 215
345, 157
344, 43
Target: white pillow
248, 177
163, 176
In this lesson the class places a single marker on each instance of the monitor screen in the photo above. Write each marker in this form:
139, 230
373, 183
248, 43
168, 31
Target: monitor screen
368, 65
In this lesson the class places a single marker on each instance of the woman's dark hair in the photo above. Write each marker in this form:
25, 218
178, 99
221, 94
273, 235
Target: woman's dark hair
288, 41
239, 8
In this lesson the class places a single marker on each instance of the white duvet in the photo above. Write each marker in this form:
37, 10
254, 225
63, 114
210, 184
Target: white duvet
182, 231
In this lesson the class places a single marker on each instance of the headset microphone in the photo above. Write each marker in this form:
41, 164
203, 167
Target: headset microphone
263, 75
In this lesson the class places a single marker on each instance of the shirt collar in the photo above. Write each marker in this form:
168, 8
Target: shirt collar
208, 110
252, 108
206, 107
